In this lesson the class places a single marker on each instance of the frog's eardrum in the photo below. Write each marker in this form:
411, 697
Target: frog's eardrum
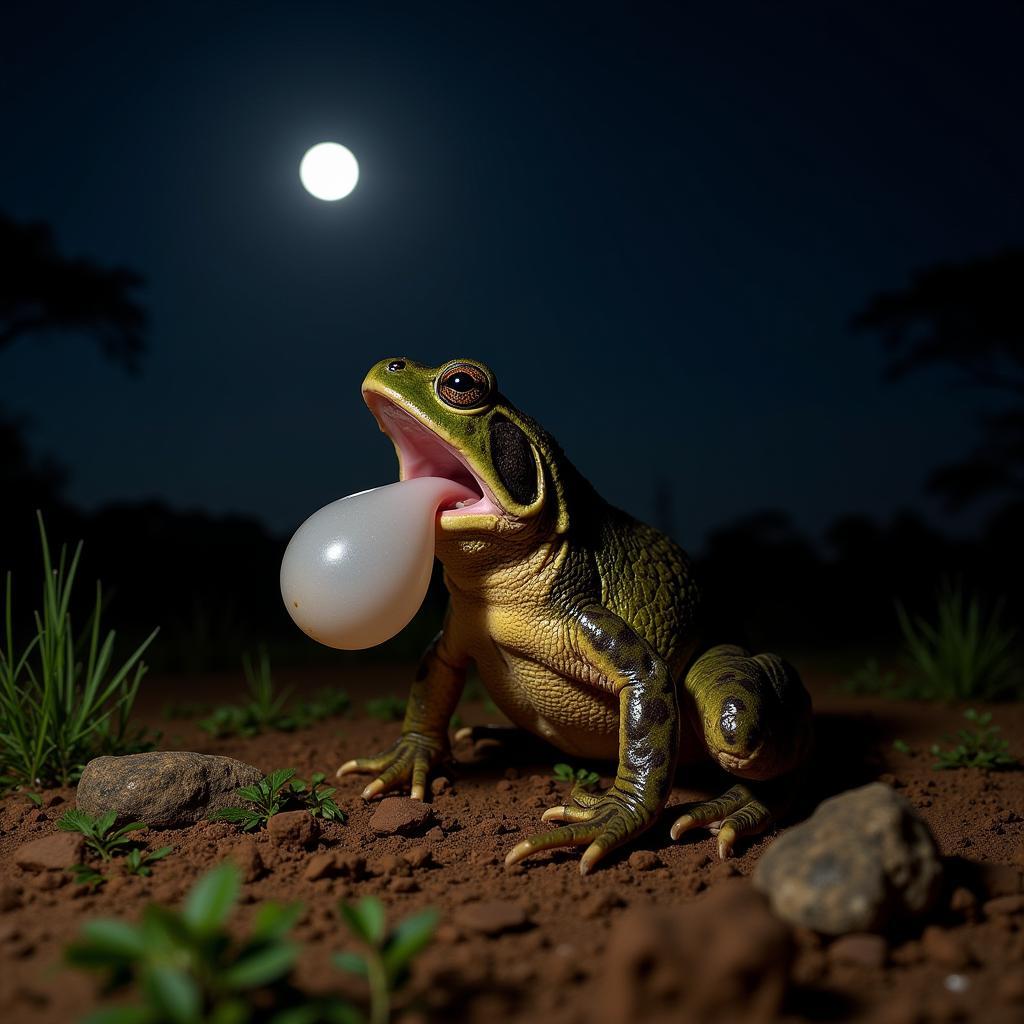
355, 573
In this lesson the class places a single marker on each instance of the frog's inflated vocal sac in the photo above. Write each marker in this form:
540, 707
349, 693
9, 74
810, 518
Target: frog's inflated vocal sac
586, 627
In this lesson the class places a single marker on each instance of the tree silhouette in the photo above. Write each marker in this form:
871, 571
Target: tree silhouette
43, 292
969, 316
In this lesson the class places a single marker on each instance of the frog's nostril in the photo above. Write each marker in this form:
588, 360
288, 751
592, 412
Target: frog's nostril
396, 364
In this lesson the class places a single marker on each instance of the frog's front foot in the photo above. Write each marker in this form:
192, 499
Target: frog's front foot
408, 760
734, 815
604, 821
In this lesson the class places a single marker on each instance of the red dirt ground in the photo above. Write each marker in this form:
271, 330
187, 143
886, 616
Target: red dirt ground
970, 967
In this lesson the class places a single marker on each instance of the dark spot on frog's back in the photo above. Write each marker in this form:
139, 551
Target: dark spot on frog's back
732, 708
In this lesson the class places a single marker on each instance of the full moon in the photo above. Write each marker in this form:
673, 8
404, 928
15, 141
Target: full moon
329, 171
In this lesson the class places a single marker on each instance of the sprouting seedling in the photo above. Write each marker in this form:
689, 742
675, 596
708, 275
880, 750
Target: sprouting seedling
387, 954
387, 709
975, 748
98, 834
317, 798
87, 876
268, 799
138, 862
188, 967
580, 777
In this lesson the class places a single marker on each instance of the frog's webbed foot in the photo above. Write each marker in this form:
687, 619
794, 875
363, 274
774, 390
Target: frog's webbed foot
734, 815
408, 760
602, 820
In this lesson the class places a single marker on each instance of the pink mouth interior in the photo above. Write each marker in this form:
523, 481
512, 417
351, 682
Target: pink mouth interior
422, 453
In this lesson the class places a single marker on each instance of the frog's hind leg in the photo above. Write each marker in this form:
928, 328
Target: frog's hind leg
755, 719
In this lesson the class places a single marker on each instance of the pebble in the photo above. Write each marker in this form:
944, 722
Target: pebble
51, 853
644, 860
320, 865
398, 815
293, 828
859, 948
490, 917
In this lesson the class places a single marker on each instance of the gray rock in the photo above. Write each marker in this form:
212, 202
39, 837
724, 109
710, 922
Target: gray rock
163, 788
863, 860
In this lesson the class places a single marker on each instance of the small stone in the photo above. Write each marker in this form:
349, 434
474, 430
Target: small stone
293, 828
10, 898
247, 856
351, 865
963, 901
163, 788
397, 815
419, 857
491, 917
944, 948
1003, 906
862, 861
435, 835
860, 949
440, 785
390, 866
320, 865
51, 853
644, 860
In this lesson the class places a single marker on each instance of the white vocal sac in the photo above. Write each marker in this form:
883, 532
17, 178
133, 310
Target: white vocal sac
356, 572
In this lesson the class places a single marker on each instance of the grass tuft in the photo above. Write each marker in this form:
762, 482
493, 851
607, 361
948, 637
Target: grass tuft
975, 748
62, 701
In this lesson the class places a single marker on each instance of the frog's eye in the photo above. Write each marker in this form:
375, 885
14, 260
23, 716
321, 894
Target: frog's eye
463, 386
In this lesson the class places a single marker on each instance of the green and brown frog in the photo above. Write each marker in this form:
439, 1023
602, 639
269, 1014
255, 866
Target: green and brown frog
586, 627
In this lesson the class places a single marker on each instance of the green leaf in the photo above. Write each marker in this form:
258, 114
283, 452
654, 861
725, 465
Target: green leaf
74, 820
211, 899
365, 919
262, 966
114, 938
354, 963
121, 1015
274, 920
174, 994
408, 939
159, 854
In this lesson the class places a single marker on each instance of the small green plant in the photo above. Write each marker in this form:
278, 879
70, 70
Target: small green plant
88, 876
137, 861
980, 747
61, 699
188, 968
901, 747
318, 799
580, 777
278, 792
387, 953
100, 835
387, 709
966, 652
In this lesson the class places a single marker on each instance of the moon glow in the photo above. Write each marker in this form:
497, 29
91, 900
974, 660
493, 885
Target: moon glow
329, 171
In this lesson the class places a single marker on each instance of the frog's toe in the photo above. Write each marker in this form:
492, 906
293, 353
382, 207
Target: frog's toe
733, 816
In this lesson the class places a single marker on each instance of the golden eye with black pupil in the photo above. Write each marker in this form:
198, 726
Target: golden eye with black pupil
463, 386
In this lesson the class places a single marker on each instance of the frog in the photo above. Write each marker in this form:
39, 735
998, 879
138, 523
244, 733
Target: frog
587, 627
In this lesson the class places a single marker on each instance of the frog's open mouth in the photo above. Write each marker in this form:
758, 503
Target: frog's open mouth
421, 452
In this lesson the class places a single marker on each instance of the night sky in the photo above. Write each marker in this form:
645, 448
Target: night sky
654, 221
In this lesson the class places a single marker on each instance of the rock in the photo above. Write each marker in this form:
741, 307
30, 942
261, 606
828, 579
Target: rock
944, 948
724, 959
860, 948
51, 853
293, 828
491, 917
399, 815
247, 856
644, 860
862, 861
321, 865
163, 788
